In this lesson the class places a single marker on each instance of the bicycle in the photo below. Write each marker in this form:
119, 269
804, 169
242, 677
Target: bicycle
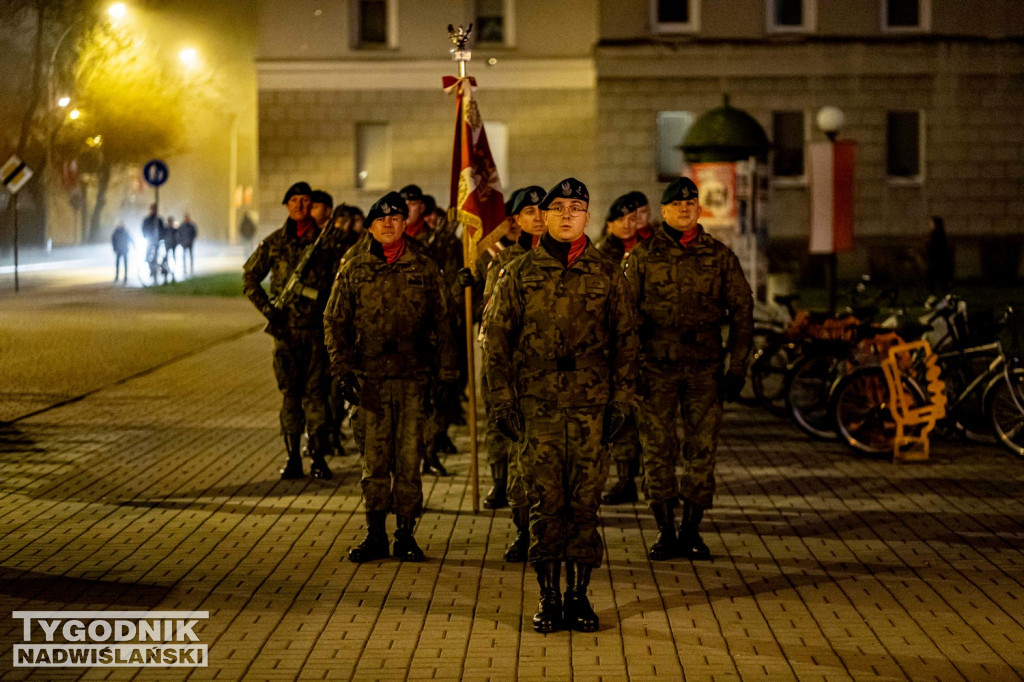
993, 396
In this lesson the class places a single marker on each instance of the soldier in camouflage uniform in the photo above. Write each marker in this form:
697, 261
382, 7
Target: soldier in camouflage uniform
522, 211
528, 226
619, 239
687, 285
300, 357
560, 358
389, 339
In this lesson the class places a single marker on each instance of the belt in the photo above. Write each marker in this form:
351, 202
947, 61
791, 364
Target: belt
690, 336
568, 363
389, 347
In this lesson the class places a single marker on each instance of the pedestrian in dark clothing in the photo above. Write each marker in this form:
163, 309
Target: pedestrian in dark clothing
122, 242
152, 232
247, 231
187, 232
940, 260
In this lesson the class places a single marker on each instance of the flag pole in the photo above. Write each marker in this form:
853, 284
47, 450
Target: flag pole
460, 38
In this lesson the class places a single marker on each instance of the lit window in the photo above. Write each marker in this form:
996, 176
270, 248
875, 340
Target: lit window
903, 144
791, 15
788, 137
672, 127
490, 21
375, 23
373, 156
675, 16
906, 15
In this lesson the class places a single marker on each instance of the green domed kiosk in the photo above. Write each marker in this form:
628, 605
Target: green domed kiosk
726, 153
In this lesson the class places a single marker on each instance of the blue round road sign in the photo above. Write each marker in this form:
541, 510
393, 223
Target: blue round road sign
155, 172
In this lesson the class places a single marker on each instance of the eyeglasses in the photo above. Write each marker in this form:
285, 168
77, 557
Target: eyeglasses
560, 209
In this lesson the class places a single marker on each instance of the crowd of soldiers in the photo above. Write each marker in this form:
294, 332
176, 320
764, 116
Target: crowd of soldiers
592, 354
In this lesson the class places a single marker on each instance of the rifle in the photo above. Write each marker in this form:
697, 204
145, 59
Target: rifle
294, 288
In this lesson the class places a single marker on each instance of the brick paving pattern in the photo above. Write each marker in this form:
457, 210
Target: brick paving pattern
160, 491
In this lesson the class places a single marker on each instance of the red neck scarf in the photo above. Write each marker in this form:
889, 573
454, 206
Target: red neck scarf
413, 229
644, 232
689, 236
576, 250
304, 228
394, 250
628, 244
535, 241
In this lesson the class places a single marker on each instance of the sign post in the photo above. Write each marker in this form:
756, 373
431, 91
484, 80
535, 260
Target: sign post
155, 174
15, 174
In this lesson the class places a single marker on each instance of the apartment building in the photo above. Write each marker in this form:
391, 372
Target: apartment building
350, 98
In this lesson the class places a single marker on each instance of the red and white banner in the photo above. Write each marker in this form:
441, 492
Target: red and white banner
475, 186
831, 180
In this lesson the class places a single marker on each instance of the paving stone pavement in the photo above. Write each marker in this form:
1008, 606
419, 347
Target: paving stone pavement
160, 492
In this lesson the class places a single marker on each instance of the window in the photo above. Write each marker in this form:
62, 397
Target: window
492, 22
791, 15
672, 127
788, 136
675, 16
375, 23
373, 156
906, 15
903, 145
497, 140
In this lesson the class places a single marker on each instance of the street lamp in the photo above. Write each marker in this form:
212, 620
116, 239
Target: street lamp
189, 56
829, 120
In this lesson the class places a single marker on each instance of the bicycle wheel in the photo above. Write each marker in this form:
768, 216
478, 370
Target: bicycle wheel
768, 375
860, 408
1004, 403
808, 387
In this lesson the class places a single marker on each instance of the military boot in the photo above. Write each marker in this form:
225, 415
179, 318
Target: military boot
624, 490
432, 463
443, 443
375, 545
293, 467
520, 547
578, 614
318, 468
549, 609
405, 547
691, 545
665, 546
496, 496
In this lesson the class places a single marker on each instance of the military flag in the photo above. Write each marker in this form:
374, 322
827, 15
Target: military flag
476, 197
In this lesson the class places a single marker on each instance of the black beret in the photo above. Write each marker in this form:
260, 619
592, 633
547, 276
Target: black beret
300, 188
680, 189
429, 204
411, 193
322, 197
527, 196
622, 206
640, 197
511, 201
389, 204
570, 188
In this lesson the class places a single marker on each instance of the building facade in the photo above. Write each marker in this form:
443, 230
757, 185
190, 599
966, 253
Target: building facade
350, 99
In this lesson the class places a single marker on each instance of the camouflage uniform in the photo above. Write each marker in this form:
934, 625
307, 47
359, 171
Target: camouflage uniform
300, 357
562, 343
496, 444
684, 295
389, 325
